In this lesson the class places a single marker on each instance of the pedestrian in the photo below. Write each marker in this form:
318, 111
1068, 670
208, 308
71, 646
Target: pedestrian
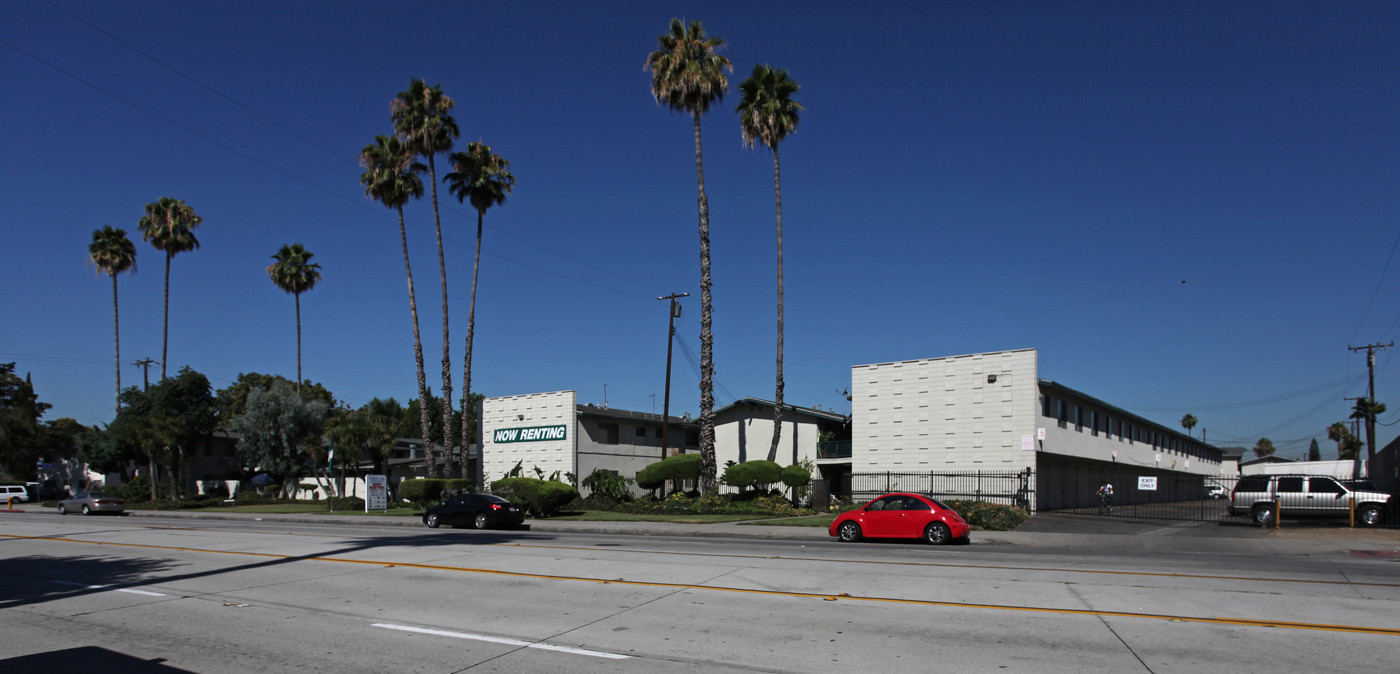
1106, 497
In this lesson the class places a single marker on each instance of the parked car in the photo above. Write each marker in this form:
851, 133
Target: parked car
478, 510
92, 502
13, 491
1215, 491
1305, 496
901, 516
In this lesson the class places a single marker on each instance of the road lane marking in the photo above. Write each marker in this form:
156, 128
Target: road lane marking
508, 642
825, 596
111, 589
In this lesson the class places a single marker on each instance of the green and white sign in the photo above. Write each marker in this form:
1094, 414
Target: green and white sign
529, 434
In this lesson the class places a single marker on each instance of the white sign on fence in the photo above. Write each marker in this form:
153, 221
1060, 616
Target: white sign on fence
376, 492
1147, 483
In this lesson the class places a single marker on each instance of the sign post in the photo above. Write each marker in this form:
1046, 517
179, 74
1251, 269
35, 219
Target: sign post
376, 492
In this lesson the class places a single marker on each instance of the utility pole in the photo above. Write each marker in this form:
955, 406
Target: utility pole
145, 365
1368, 416
675, 310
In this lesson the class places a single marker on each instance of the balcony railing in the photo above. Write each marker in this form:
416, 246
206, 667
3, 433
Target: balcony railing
834, 450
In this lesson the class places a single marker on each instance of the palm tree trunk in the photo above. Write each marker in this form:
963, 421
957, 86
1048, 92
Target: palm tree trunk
707, 337
297, 296
446, 342
425, 425
165, 331
778, 396
471, 332
151, 468
117, 338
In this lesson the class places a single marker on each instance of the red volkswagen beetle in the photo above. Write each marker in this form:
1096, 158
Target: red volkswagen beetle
901, 516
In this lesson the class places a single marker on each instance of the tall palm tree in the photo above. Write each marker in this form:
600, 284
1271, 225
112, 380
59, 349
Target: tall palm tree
421, 120
112, 253
768, 114
293, 271
1188, 422
391, 177
169, 226
1367, 409
483, 178
688, 76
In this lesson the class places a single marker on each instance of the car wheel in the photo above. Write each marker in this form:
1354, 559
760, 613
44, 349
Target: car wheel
481, 521
431, 519
936, 533
62, 510
86, 510
1369, 515
849, 532
1263, 514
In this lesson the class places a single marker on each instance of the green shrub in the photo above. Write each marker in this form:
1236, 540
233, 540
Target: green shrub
458, 486
249, 496
540, 497
605, 485
799, 478
346, 503
678, 467
422, 492
756, 474
990, 516
139, 490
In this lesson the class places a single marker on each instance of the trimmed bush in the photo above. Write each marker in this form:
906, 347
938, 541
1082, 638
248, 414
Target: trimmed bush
346, 503
605, 485
458, 486
990, 516
421, 492
540, 497
756, 474
678, 467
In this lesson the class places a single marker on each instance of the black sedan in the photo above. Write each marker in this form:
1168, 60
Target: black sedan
478, 510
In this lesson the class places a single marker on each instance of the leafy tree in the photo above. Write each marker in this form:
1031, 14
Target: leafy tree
676, 468
279, 430
366, 433
164, 420
112, 253
688, 76
231, 402
1263, 448
169, 226
1314, 453
104, 452
757, 474
768, 114
20, 432
483, 178
1188, 422
391, 177
293, 271
423, 122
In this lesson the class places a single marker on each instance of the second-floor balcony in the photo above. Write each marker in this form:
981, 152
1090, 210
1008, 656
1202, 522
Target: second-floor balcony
834, 450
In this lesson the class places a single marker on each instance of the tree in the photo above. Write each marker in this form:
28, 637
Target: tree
688, 76
1263, 448
278, 431
112, 253
367, 432
1314, 453
231, 402
169, 226
391, 177
421, 120
1188, 422
483, 178
768, 114
165, 419
20, 431
1367, 410
293, 271
1348, 446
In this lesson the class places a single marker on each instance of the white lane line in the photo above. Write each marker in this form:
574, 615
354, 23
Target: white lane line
500, 640
105, 587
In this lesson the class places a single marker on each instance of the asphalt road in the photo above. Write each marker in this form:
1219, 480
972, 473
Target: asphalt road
151, 594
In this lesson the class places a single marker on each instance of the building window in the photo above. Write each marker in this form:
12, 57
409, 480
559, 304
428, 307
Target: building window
641, 432
1094, 421
607, 433
1060, 412
1044, 405
1078, 418
692, 438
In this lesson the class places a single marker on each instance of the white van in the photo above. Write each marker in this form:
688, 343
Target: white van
12, 491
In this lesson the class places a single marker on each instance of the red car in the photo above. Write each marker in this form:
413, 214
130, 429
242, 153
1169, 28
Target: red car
901, 516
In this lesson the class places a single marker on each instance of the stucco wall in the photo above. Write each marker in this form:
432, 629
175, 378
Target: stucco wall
529, 411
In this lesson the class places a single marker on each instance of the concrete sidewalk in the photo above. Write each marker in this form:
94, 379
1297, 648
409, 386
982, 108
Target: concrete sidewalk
1077, 534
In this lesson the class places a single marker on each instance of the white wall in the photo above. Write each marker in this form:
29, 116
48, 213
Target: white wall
1341, 469
524, 411
753, 433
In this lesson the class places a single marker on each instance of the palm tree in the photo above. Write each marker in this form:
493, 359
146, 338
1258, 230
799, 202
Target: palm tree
391, 177
483, 178
768, 114
293, 271
1188, 422
688, 76
1367, 409
421, 120
169, 226
112, 253
1263, 448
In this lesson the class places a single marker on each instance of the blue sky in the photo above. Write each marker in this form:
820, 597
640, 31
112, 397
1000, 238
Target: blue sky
1186, 207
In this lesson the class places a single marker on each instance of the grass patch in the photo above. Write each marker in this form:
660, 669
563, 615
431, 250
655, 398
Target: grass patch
609, 516
822, 521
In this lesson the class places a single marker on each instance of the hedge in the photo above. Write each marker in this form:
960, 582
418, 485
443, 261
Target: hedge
540, 497
753, 474
678, 467
990, 516
796, 476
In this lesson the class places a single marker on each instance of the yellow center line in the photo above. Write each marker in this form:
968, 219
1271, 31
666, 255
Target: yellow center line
1354, 629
